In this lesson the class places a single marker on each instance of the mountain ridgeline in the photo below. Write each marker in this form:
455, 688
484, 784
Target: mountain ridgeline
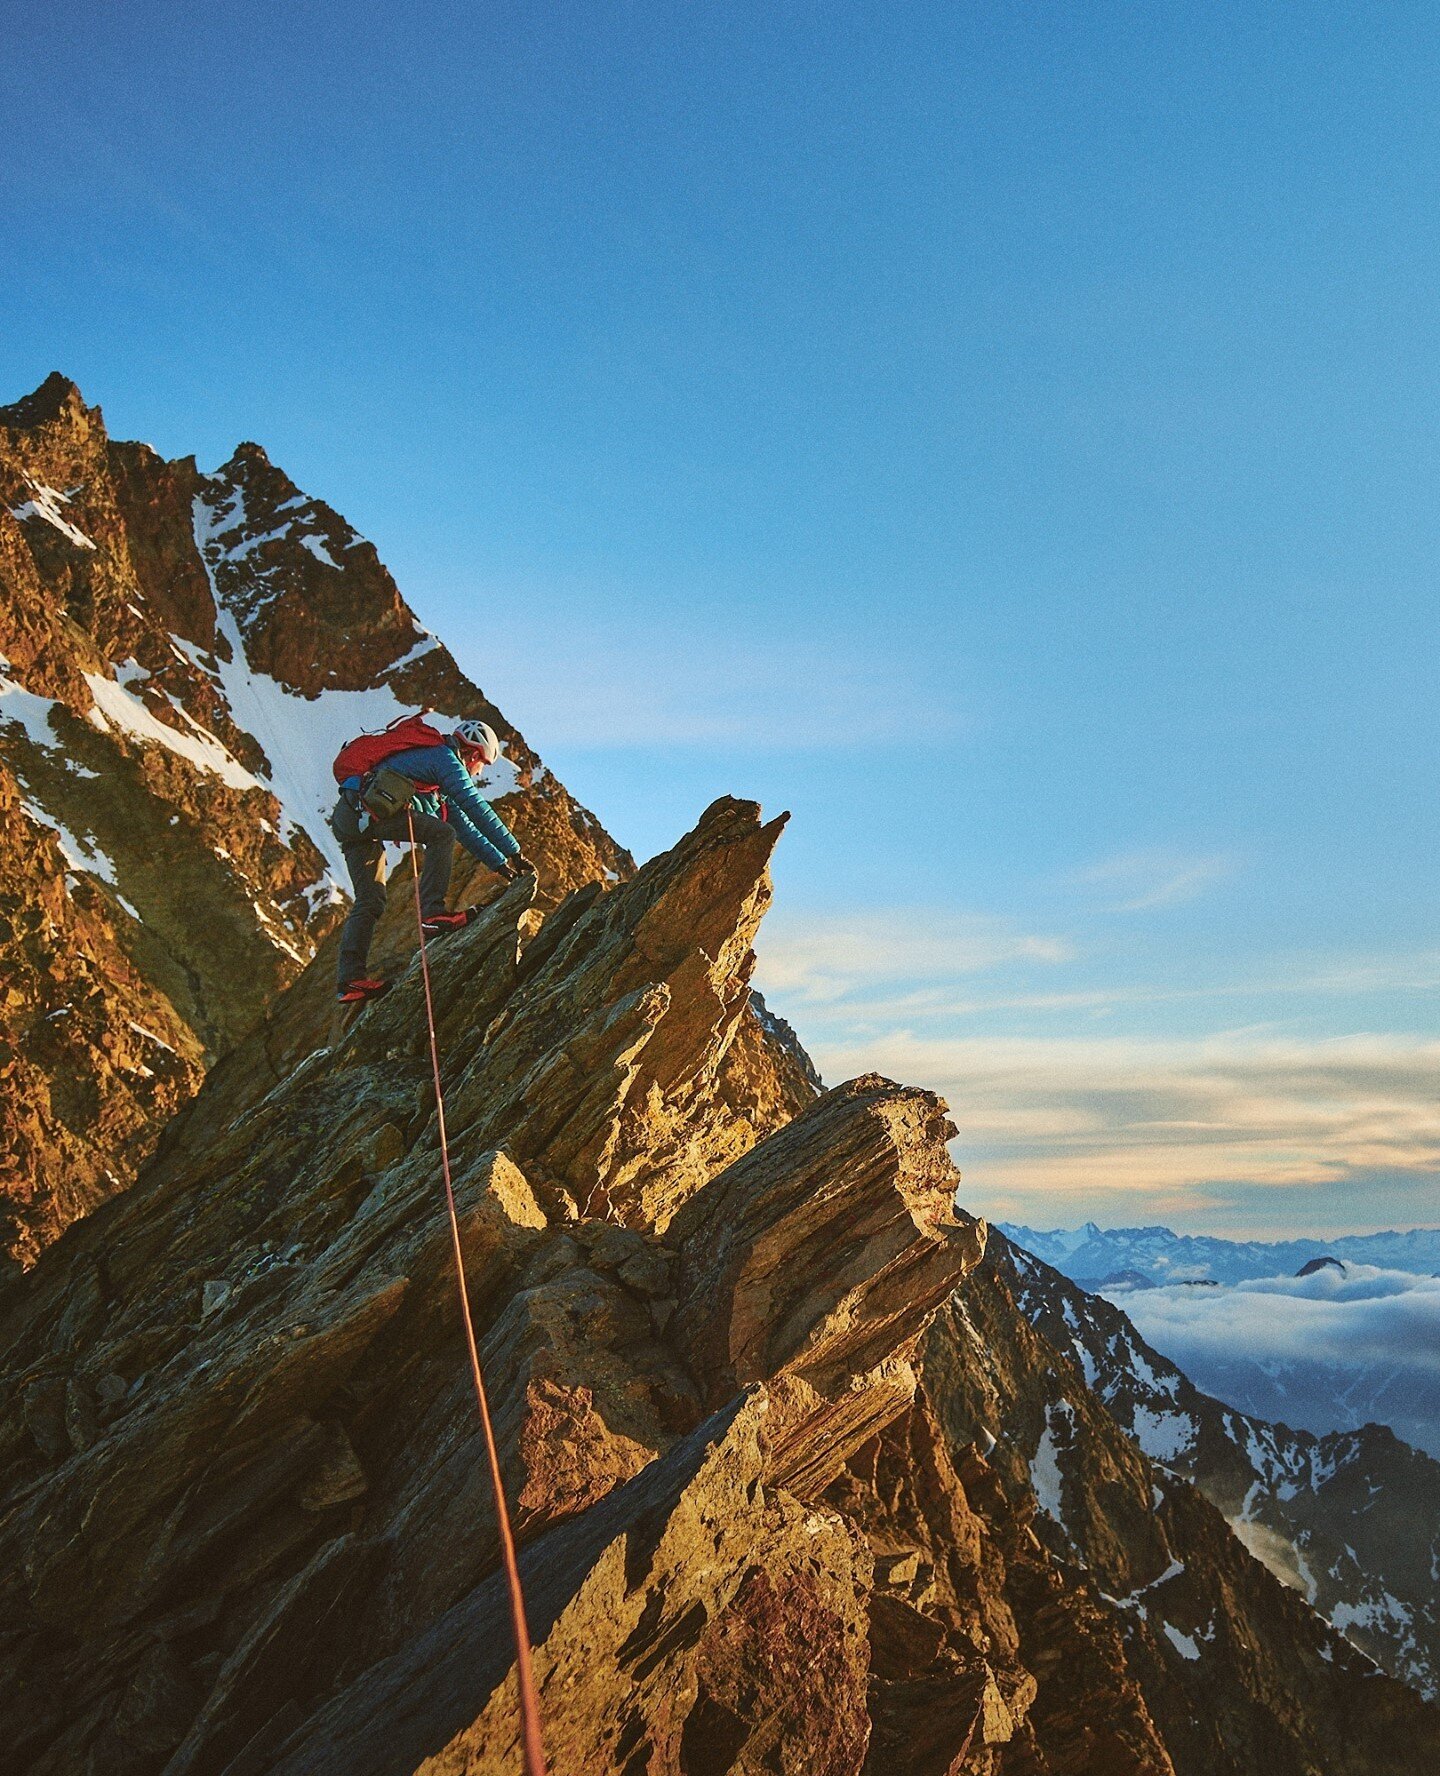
805, 1478
1333, 1337
1351, 1520
1090, 1255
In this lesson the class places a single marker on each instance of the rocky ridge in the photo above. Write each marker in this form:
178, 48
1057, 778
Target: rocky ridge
1350, 1520
799, 1487
180, 656
1235, 1670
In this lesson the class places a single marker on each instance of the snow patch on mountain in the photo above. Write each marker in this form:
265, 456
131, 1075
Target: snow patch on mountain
81, 854
425, 644
317, 549
23, 709
46, 505
299, 736
200, 747
1046, 1475
1164, 1436
1184, 1644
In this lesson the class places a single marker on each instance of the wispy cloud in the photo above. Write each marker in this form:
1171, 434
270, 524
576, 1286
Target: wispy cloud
912, 958
1145, 879
898, 968
1053, 1102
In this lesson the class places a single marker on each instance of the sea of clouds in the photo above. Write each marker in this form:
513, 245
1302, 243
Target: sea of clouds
1326, 1352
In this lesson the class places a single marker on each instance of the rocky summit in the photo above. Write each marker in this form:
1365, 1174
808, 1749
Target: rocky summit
804, 1482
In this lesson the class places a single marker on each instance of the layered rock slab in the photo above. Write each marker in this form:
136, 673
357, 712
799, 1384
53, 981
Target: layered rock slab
621, 1603
817, 1259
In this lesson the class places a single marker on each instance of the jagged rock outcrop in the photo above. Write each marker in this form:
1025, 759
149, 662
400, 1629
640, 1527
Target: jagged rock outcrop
262, 1418
1350, 1520
747, 1368
768, 1291
180, 656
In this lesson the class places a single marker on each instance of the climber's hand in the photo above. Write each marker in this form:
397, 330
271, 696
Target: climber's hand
521, 866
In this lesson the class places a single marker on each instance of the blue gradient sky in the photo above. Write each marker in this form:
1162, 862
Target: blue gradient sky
1005, 436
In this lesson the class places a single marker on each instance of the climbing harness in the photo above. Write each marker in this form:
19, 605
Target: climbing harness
530, 1737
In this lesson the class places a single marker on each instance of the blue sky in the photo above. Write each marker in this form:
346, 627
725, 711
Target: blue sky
1007, 437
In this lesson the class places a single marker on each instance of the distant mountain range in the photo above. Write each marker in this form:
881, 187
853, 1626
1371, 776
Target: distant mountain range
1091, 1255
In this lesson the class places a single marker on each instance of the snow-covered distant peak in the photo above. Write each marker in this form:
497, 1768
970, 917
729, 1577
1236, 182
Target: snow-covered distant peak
1089, 1254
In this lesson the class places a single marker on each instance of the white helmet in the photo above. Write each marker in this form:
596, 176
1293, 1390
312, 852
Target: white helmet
477, 736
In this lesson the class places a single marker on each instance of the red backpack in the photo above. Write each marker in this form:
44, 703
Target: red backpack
359, 757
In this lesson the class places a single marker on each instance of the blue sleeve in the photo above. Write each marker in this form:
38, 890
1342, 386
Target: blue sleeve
477, 826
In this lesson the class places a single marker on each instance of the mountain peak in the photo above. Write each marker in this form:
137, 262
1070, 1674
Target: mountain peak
239, 1523
56, 398
248, 453
1314, 1265
183, 655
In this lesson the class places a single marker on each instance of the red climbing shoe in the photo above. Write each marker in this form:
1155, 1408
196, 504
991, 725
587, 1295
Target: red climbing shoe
442, 924
361, 990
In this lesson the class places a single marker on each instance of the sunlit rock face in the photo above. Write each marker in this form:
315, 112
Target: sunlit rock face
181, 655
797, 1484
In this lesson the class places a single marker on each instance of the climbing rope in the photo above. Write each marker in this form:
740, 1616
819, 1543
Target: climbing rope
530, 1737
964, 1752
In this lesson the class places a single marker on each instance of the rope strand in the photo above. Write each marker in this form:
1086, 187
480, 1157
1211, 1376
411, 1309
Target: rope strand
530, 1736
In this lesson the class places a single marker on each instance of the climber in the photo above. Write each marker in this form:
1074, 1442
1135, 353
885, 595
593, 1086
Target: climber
414, 778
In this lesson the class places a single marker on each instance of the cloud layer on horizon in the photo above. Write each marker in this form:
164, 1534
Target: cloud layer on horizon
1326, 1352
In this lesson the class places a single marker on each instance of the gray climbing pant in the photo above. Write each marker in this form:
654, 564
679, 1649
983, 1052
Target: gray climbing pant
364, 855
